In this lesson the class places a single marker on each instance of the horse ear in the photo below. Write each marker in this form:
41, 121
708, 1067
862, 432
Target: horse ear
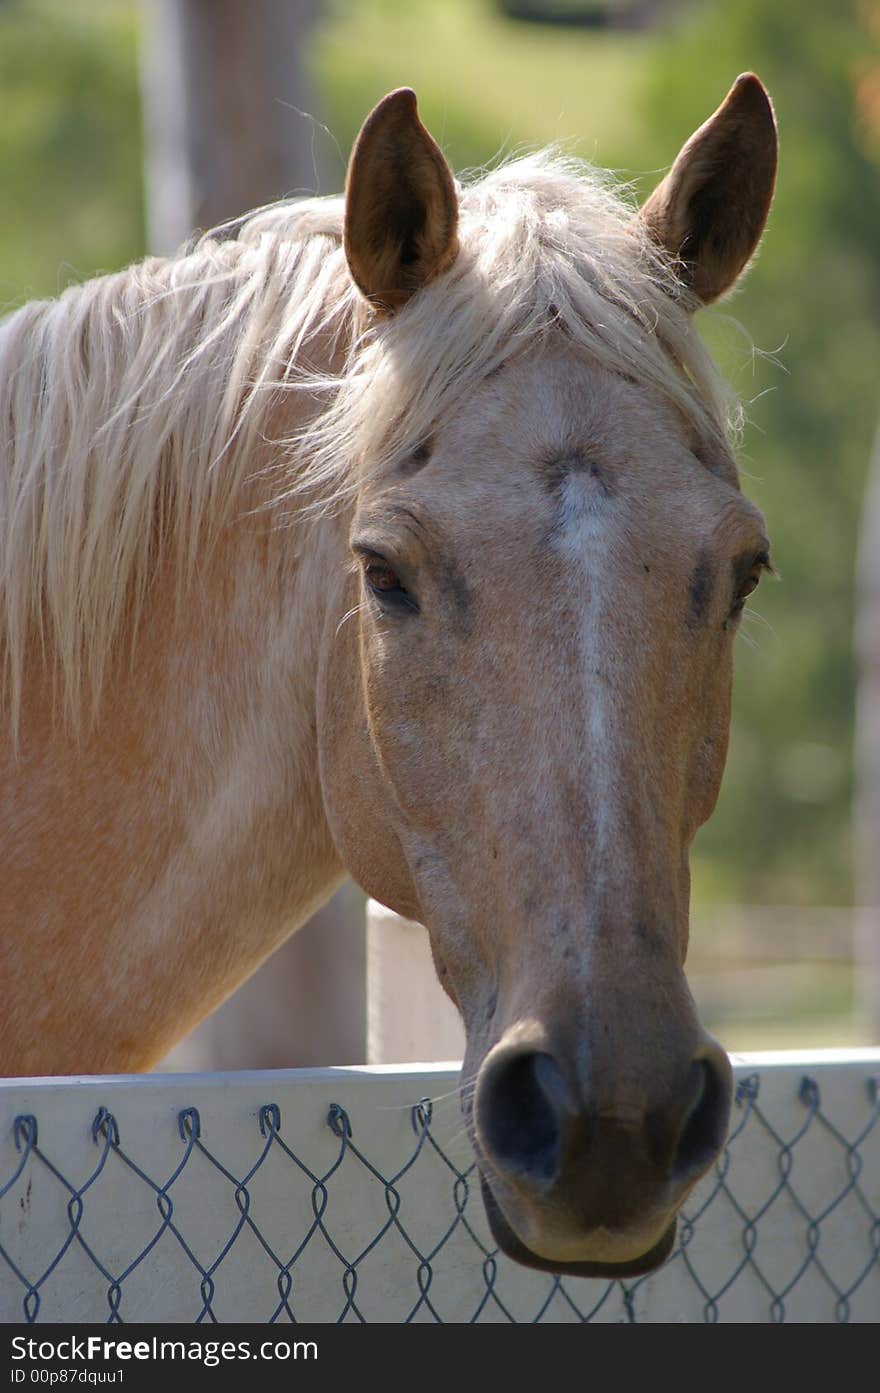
710, 210
401, 206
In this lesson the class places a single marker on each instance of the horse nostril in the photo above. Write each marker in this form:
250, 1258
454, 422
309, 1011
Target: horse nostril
521, 1105
705, 1127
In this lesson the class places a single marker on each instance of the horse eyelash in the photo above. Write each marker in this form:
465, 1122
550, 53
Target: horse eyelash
355, 609
765, 562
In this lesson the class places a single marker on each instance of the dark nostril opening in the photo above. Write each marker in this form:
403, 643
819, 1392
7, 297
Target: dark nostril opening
706, 1127
518, 1119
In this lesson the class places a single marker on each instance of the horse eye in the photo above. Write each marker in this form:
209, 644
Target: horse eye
381, 577
385, 583
749, 585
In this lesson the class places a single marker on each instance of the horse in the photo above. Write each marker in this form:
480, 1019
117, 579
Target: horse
398, 536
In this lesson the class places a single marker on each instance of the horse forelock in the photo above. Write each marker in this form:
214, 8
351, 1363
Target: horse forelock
137, 408
547, 244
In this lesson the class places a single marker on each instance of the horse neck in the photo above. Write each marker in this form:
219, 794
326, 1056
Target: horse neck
184, 823
250, 651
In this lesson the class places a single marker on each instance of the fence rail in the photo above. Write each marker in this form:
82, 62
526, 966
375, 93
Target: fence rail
349, 1195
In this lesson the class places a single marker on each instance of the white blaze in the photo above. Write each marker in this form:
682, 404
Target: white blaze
585, 536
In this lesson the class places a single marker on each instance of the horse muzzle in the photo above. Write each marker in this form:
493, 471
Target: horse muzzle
590, 1184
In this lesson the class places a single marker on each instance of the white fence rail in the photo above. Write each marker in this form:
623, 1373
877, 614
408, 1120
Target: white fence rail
338, 1194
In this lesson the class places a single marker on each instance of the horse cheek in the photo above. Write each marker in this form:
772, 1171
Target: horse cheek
357, 801
710, 759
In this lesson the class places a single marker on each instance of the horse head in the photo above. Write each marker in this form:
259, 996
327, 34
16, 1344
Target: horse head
526, 669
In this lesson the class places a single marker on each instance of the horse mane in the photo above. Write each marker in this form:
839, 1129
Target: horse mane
134, 408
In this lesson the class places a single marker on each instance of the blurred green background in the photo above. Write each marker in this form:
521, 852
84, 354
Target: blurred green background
800, 341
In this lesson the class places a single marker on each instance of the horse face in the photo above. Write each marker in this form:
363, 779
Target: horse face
547, 604
526, 698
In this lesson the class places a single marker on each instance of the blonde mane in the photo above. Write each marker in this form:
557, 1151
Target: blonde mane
135, 408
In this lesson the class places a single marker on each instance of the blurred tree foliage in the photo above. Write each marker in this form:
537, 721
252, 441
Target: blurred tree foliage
70, 167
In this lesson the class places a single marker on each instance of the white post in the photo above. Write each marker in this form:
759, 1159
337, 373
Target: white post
225, 95
410, 1019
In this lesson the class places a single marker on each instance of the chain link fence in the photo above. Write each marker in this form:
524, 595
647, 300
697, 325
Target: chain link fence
351, 1195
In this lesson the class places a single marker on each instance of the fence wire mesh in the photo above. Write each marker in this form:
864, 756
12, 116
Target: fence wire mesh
288, 1222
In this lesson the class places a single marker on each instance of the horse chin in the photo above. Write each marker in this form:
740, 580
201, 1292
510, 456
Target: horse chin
514, 1248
